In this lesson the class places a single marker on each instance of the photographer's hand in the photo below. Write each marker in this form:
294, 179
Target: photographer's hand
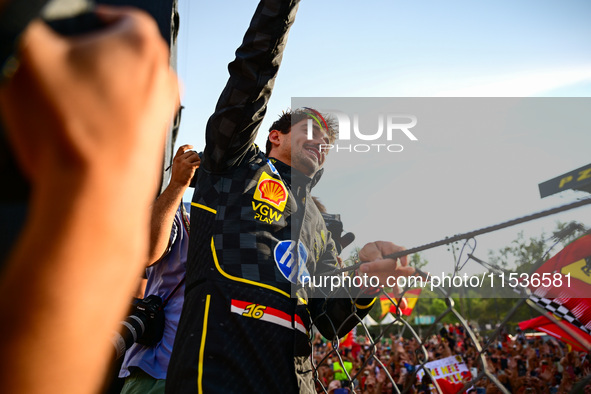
184, 165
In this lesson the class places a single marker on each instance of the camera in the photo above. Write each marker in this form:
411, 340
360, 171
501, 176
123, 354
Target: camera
335, 226
144, 325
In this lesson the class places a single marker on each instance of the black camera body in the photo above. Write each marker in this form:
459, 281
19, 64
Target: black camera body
335, 226
144, 325
152, 311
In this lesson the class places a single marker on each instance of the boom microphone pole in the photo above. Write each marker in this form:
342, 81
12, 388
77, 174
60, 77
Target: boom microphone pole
474, 233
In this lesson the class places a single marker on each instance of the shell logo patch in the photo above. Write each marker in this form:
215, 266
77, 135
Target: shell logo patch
271, 191
285, 259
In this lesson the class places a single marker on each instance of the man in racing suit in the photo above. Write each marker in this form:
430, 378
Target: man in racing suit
256, 232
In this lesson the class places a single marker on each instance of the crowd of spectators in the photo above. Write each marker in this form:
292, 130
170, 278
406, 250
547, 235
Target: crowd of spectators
522, 365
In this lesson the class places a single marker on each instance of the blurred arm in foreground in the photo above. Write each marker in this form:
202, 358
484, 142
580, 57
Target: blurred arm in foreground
102, 103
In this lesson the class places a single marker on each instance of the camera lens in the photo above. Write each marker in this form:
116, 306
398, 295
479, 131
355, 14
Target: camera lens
132, 328
144, 325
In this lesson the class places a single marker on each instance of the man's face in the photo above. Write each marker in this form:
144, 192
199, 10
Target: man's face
307, 155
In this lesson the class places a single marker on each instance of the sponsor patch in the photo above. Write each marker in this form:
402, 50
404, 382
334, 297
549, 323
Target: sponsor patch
271, 191
272, 167
284, 255
268, 314
265, 213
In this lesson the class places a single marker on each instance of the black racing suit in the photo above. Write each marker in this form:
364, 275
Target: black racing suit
240, 330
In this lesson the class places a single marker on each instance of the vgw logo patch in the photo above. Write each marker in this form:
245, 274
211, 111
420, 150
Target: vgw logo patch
286, 261
272, 195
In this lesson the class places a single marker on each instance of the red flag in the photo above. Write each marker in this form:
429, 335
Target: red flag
348, 340
389, 304
562, 285
548, 326
448, 387
412, 296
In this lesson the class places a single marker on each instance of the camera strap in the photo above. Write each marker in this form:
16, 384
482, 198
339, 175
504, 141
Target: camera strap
185, 224
185, 217
165, 302
185, 220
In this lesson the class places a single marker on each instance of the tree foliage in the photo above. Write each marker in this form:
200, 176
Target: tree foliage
417, 261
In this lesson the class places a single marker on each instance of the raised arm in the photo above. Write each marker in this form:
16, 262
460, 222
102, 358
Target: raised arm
184, 164
232, 128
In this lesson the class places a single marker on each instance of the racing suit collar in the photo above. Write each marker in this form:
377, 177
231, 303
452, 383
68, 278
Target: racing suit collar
293, 177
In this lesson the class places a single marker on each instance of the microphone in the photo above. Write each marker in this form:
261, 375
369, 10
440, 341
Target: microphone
347, 239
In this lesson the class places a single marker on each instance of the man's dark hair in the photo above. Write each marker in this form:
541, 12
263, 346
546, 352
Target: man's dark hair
289, 117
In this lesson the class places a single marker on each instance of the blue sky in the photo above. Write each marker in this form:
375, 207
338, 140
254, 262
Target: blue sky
417, 49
